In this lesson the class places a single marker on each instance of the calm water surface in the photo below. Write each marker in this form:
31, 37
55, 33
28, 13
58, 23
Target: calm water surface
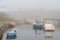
26, 32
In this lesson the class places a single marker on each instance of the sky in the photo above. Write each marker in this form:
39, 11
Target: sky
25, 5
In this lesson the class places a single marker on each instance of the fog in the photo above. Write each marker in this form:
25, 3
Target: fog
31, 8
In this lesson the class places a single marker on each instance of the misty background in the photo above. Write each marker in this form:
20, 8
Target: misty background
32, 9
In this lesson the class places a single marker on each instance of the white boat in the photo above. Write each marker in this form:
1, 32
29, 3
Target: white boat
49, 28
48, 25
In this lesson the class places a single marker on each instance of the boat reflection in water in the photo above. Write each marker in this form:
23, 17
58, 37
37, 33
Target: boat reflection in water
49, 29
38, 29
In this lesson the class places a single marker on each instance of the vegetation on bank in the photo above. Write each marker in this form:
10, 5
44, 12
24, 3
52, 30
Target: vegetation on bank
5, 17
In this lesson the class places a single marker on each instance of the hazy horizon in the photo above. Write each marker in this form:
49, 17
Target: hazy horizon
35, 14
31, 8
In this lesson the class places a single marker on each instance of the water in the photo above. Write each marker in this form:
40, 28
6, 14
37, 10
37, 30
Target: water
26, 32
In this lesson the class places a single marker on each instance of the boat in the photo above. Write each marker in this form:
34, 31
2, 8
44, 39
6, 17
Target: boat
49, 28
